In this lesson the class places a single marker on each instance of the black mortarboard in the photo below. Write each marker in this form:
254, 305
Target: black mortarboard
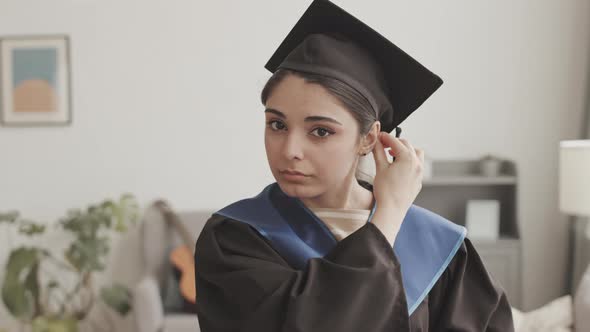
329, 41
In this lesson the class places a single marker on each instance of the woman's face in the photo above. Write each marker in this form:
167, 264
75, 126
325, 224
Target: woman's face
309, 131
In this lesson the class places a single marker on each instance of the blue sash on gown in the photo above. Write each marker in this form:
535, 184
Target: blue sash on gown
425, 245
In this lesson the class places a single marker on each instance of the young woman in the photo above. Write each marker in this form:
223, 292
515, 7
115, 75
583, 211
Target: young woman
322, 249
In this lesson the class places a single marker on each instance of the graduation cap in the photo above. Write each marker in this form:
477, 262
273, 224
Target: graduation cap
329, 41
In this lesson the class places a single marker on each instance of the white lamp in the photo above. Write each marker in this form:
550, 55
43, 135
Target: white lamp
574, 199
574, 177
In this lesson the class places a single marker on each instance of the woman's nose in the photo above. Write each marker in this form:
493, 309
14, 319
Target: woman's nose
293, 147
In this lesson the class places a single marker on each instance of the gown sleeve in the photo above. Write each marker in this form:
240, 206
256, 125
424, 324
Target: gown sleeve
467, 298
243, 284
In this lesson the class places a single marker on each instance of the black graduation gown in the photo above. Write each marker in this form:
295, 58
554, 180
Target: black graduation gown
243, 284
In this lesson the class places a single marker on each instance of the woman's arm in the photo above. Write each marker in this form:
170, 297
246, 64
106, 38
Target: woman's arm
467, 298
244, 285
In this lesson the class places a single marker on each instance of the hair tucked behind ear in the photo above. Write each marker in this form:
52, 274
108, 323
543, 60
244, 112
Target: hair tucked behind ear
357, 104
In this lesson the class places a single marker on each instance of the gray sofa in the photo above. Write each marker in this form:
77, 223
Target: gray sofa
156, 238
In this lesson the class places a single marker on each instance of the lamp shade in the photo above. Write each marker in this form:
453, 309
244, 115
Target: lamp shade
574, 177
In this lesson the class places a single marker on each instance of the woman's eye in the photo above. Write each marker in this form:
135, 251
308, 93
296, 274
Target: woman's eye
279, 126
276, 125
322, 132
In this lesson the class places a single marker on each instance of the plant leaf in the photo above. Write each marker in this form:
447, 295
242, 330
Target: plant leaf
30, 228
20, 289
126, 211
9, 217
118, 297
88, 254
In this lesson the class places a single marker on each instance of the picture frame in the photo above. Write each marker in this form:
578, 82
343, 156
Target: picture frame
35, 81
482, 218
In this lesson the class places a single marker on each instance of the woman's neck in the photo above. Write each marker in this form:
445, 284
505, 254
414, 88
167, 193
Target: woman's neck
349, 196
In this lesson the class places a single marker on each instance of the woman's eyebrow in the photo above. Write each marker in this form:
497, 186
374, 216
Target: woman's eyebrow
307, 119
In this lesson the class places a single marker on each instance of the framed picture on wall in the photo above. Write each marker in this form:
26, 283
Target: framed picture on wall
35, 81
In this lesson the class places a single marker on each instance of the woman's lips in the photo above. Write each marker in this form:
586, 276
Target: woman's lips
292, 172
293, 176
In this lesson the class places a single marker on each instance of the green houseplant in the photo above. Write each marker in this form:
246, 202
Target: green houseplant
43, 301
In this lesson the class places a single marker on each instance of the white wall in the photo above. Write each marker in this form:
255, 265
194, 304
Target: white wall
166, 102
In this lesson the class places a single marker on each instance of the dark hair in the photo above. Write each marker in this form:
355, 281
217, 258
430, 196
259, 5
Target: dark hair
357, 104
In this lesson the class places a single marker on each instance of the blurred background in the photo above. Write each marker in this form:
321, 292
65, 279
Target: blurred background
164, 103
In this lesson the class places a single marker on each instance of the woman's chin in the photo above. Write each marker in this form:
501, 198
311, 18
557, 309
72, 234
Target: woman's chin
294, 189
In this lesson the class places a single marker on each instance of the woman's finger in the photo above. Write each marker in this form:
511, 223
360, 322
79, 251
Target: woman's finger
408, 145
397, 147
405, 142
379, 155
420, 154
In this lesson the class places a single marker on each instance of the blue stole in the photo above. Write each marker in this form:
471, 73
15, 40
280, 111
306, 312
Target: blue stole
425, 245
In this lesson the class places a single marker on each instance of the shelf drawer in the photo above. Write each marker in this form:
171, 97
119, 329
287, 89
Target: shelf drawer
502, 259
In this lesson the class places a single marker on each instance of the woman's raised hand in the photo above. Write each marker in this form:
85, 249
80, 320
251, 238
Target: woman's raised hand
397, 184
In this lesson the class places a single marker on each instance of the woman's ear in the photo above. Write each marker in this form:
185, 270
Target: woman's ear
370, 139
